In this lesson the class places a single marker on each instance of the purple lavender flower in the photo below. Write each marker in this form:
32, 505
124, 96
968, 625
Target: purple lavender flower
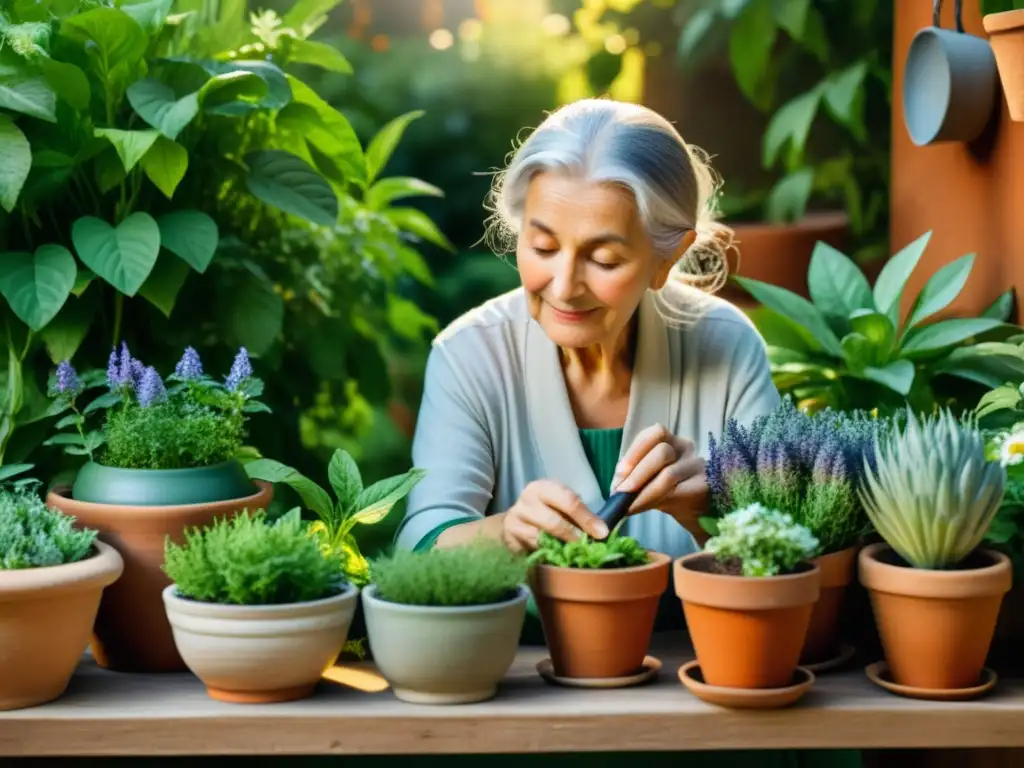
114, 370
190, 367
241, 369
151, 388
68, 382
126, 369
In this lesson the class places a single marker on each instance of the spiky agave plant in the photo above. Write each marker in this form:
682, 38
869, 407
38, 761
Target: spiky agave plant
933, 492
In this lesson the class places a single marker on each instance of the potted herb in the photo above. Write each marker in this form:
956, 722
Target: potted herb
935, 591
259, 611
163, 460
748, 598
597, 602
444, 624
51, 579
808, 467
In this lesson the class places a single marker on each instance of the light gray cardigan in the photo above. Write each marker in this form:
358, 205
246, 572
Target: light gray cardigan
495, 413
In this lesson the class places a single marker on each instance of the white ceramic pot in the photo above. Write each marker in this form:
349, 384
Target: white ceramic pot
443, 655
260, 653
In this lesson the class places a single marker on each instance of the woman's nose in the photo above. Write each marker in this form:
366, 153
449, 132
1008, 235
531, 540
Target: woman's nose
565, 280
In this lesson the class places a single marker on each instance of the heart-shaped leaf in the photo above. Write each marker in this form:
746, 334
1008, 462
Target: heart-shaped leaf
191, 236
158, 105
164, 283
15, 162
67, 81
37, 286
285, 181
118, 39
130, 145
124, 256
165, 165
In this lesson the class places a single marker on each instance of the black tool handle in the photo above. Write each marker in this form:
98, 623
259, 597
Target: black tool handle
616, 508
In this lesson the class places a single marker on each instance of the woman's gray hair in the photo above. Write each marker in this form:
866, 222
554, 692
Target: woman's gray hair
672, 182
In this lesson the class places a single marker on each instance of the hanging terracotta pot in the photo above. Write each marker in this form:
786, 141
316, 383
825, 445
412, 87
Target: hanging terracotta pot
1006, 36
837, 570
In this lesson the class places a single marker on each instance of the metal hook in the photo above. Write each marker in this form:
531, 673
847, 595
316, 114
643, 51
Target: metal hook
958, 7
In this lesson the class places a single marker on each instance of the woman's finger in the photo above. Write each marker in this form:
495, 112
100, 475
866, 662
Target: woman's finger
684, 448
521, 537
660, 455
549, 520
563, 502
641, 446
681, 477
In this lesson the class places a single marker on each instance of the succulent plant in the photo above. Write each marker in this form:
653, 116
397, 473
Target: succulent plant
933, 492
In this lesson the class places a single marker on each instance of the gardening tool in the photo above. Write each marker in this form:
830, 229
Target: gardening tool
616, 508
949, 82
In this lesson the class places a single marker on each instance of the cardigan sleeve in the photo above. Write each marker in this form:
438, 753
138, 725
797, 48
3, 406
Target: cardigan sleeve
751, 391
453, 445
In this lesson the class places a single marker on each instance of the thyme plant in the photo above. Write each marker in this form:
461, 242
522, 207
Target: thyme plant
33, 535
617, 551
761, 542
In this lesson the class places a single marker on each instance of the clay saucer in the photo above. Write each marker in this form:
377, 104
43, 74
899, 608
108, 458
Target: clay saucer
878, 673
649, 671
745, 698
841, 659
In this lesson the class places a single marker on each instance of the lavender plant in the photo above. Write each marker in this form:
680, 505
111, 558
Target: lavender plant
192, 420
806, 466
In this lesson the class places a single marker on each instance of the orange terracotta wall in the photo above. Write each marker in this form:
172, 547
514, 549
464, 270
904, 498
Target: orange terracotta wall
970, 195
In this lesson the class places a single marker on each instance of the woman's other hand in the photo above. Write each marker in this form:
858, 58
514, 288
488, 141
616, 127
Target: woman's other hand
670, 475
545, 505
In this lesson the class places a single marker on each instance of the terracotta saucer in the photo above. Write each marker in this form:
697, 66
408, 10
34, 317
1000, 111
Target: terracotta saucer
745, 698
878, 673
841, 659
648, 672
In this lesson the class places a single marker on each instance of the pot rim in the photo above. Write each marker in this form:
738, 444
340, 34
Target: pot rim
61, 495
220, 465
744, 593
811, 221
369, 596
230, 611
658, 559
101, 569
996, 578
1004, 21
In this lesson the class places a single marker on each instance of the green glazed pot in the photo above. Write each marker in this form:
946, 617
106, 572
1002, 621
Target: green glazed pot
98, 484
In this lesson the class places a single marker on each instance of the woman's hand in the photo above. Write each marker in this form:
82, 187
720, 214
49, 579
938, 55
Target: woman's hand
545, 505
669, 473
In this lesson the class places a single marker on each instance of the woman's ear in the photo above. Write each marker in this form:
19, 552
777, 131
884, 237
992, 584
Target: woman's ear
662, 273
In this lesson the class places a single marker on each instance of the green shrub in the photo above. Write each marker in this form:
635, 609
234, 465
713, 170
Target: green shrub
616, 551
757, 541
33, 535
478, 573
248, 561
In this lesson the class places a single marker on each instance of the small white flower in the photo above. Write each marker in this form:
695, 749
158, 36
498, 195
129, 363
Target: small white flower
1011, 450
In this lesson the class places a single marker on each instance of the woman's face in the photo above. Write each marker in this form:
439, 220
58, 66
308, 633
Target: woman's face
585, 259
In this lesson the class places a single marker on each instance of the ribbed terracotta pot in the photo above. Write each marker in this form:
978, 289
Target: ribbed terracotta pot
132, 633
598, 622
936, 627
253, 654
837, 571
747, 632
1006, 36
46, 616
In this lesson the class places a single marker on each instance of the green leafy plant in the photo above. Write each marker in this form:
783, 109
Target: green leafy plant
935, 491
198, 422
354, 505
478, 573
1006, 531
246, 560
846, 348
1000, 6
33, 535
757, 541
617, 551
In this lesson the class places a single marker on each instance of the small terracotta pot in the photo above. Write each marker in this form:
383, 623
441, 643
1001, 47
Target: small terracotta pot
132, 633
598, 622
936, 627
46, 615
747, 632
1006, 36
837, 570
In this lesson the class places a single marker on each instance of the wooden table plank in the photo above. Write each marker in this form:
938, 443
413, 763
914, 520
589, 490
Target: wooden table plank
107, 713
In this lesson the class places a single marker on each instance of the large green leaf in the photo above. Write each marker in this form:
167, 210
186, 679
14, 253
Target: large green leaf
124, 256
332, 133
318, 54
416, 222
788, 198
157, 104
780, 331
149, 14
836, 284
374, 503
313, 496
940, 290
164, 283
751, 40
252, 313
796, 308
28, 94
306, 15
897, 376
878, 330
1001, 308
131, 146
282, 180
67, 81
66, 332
345, 478
36, 287
117, 38
945, 333
278, 95
386, 191
790, 125
894, 275
165, 164
383, 144
191, 236
15, 162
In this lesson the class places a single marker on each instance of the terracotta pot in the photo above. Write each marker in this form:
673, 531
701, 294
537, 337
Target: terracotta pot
747, 632
780, 254
598, 622
936, 627
252, 654
132, 633
1006, 36
46, 615
822, 642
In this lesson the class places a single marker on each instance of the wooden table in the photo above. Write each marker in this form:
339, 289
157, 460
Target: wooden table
107, 713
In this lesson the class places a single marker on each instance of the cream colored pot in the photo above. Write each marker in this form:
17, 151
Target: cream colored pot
260, 653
